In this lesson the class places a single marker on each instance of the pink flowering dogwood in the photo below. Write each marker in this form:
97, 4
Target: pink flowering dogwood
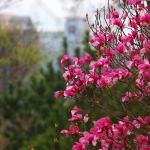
117, 79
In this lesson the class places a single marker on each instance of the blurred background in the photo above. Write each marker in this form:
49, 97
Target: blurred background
34, 35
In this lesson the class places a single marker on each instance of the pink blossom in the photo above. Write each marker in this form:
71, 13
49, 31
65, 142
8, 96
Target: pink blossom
88, 57
68, 76
115, 14
75, 110
80, 61
73, 130
120, 48
147, 120
128, 64
58, 94
91, 41
70, 91
66, 132
121, 60
77, 117
88, 79
86, 118
133, 2
78, 146
65, 59
103, 122
146, 18
127, 96
142, 142
133, 24
117, 22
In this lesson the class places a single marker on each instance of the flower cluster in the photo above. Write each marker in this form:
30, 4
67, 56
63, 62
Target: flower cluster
74, 129
106, 135
122, 57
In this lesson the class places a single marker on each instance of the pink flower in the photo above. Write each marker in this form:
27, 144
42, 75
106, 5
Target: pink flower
66, 132
115, 14
81, 61
78, 146
133, 24
142, 142
100, 62
68, 76
128, 64
88, 80
121, 58
86, 139
102, 123
86, 118
100, 40
77, 117
110, 52
91, 41
147, 120
137, 60
133, 2
146, 18
75, 110
136, 124
120, 48
95, 43
70, 91
88, 57
73, 130
117, 22
93, 74
65, 59
127, 96
58, 94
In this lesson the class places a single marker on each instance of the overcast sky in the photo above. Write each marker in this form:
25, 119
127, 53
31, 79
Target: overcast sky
50, 14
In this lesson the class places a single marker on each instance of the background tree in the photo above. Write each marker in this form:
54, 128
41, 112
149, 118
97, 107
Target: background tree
19, 54
65, 45
29, 115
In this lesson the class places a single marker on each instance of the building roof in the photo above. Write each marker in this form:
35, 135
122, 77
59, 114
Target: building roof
7, 20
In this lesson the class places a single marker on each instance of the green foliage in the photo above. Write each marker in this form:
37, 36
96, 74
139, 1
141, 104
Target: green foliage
19, 53
29, 114
24, 56
65, 45
77, 52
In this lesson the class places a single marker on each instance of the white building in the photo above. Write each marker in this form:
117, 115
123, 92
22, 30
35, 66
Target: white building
18, 22
51, 46
74, 31
52, 41
75, 28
